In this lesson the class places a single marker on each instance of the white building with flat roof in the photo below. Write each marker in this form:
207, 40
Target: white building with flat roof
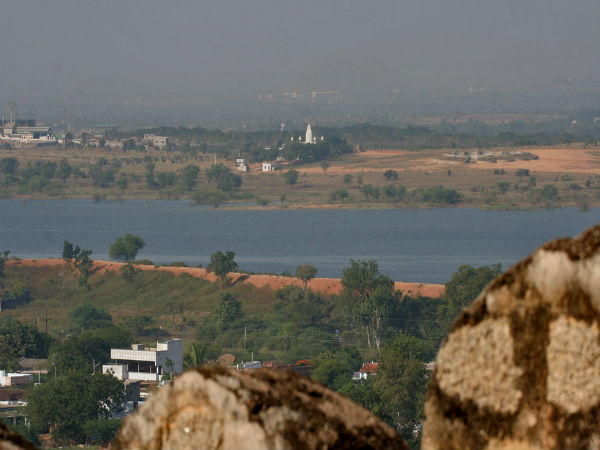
146, 363
14, 379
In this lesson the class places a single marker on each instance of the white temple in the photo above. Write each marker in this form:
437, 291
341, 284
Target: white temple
309, 136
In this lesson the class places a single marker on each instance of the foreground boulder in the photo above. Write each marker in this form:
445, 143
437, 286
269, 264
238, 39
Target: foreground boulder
219, 408
13, 441
521, 365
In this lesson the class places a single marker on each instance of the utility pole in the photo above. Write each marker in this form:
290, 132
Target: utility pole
245, 334
46, 321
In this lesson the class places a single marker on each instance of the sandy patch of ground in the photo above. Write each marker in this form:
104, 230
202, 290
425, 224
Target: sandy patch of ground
552, 160
324, 286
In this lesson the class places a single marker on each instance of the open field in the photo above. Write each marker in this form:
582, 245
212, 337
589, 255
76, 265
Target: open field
574, 170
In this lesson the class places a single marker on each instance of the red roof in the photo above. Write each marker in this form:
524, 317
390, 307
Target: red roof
369, 368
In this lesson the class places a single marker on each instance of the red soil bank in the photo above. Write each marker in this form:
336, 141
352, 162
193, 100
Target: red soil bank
323, 285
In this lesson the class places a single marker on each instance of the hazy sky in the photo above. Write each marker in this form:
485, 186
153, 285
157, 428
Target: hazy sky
119, 48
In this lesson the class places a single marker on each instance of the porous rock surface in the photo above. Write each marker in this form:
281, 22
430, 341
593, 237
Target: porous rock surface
521, 365
219, 408
13, 441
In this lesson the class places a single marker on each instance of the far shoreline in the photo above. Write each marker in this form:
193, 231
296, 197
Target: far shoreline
245, 206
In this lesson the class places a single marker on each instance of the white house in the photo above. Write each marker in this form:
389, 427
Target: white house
270, 166
156, 141
14, 379
368, 369
145, 363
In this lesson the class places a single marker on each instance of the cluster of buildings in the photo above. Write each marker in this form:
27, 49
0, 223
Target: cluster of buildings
142, 369
26, 132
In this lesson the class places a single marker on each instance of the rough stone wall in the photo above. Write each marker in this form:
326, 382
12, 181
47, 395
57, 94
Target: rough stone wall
520, 367
219, 408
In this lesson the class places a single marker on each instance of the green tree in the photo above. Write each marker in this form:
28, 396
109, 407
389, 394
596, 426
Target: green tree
503, 186
101, 432
80, 353
213, 198
126, 248
122, 182
216, 171
195, 356
169, 363
441, 195
334, 369
18, 340
189, 175
390, 174
342, 194
393, 193
3, 259
221, 264
402, 381
227, 310
464, 286
333, 373
549, 193
128, 272
306, 272
290, 177
370, 192
164, 179
325, 166
87, 316
9, 166
65, 404
365, 393
370, 296
229, 182
522, 173
79, 260
64, 170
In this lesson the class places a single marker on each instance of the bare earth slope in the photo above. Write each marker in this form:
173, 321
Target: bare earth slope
325, 286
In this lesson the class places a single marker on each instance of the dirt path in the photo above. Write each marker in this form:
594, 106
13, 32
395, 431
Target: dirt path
325, 286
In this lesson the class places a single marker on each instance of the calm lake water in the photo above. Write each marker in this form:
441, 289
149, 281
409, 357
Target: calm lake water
409, 245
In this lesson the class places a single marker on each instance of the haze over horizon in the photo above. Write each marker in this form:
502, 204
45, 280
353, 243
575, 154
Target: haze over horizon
139, 53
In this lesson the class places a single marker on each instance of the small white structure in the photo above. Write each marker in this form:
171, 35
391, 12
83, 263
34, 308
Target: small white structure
149, 364
14, 379
249, 365
156, 141
271, 166
309, 139
241, 164
368, 369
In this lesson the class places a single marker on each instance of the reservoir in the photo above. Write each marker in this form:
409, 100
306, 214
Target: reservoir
424, 245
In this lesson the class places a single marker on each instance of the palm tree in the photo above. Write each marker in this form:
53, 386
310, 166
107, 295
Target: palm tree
195, 355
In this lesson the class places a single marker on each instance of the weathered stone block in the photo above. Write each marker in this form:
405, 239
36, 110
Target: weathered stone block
221, 408
521, 366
